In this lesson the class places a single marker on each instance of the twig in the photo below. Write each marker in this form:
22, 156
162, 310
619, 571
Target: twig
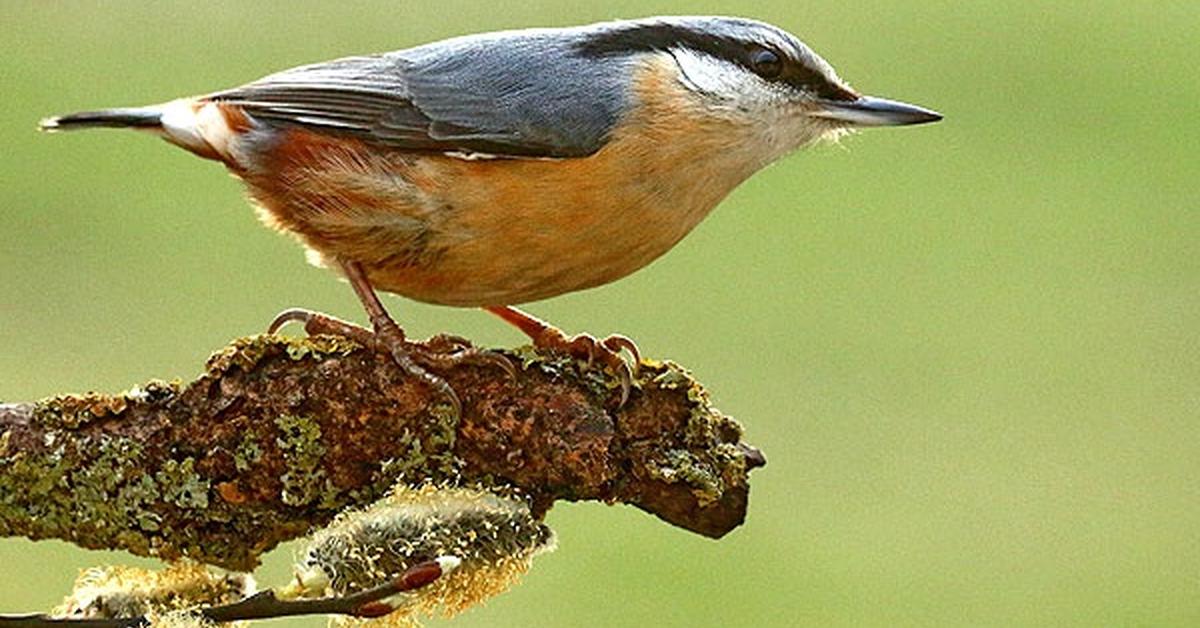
279, 435
267, 605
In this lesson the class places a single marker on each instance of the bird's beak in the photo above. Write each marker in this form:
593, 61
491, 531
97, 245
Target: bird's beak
868, 111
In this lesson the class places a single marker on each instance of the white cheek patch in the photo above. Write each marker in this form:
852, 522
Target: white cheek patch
772, 122
717, 77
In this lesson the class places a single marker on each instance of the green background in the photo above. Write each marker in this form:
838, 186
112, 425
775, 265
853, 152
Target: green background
969, 350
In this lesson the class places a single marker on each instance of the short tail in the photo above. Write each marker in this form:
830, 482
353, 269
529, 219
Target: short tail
194, 124
140, 118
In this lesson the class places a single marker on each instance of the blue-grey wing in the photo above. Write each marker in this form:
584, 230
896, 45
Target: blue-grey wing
499, 94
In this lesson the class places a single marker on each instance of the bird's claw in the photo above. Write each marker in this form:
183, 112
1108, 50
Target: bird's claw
448, 343
318, 324
414, 359
447, 351
607, 351
471, 356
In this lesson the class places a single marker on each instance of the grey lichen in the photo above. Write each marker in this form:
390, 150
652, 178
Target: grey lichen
438, 447
180, 485
600, 381
300, 441
248, 452
702, 478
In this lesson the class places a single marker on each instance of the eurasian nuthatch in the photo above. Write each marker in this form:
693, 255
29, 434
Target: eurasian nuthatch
502, 168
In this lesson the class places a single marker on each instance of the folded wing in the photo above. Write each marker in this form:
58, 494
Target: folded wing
457, 96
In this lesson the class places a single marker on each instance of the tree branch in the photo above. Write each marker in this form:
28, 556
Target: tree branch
280, 434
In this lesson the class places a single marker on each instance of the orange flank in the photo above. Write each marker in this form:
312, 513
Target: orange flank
470, 232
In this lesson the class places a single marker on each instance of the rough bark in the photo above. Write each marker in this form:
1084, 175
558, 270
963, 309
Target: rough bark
279, 435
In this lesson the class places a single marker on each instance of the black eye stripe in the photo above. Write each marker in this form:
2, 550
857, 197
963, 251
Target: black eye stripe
766, 63
661, 36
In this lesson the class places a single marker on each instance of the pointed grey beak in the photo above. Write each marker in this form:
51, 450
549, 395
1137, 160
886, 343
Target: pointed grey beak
868, 111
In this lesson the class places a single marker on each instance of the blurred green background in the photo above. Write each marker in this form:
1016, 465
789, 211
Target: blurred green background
970, 351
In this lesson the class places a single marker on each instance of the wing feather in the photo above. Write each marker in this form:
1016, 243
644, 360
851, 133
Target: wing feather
449, 101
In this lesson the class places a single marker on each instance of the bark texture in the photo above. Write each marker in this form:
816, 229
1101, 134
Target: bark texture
280, 434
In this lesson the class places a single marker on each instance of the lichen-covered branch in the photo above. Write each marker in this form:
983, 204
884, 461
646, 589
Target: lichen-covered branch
281, 434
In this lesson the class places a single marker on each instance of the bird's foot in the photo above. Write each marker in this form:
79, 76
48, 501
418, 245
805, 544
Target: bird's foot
592, 350
607, 351
416, 360
446, 351
318, 324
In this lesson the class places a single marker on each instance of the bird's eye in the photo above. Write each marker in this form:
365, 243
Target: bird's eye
766, 63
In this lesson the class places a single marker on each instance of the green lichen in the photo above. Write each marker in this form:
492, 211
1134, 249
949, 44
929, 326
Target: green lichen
439, 444
95, 490
419, 460
74, 411
320, 347
682, 466
300, 441
731, 457
30, 479
708, 457
116, 459
411, 460
600, 381
527, 355
134, 497
111, 462
706, 426
180, 485
671, 377
248, 453
246, 353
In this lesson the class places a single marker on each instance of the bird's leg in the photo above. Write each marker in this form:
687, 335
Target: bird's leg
388, 337
464, 353
583, 346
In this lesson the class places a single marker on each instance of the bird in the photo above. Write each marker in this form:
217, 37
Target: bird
495, 169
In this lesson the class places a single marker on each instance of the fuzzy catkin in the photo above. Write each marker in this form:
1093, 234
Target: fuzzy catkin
127, 592
495, 537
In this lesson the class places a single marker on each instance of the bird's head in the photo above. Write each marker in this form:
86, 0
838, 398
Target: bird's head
756, 78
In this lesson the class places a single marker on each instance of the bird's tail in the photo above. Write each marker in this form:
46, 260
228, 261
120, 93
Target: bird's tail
195, 124
134, 117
